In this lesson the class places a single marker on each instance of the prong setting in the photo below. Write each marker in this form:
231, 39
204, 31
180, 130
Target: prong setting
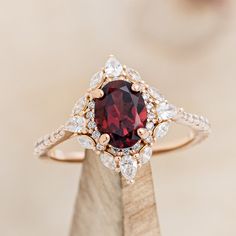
136, 87
113, 134
119, 159
104, 139
97, 93
143, 133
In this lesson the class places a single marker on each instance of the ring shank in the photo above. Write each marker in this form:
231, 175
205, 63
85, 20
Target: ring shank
199, 128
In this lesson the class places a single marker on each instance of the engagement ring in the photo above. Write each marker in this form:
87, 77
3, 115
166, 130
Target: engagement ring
121, 117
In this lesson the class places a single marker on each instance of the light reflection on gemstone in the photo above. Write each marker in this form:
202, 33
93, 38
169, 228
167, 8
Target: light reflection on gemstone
120, 113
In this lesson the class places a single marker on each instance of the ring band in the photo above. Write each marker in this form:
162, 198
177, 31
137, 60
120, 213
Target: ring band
120, 117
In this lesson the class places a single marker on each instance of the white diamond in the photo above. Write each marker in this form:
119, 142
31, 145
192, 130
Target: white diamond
91, 125
166, 111
86, 142
91, 104
113, 67
100, 147
151, 116
149, 106
136, 147
145, 155
162, 129
79, 106
96, 80
146, 96
75, 124
89, 115
149, 125
149, 140
96, 134
128, 167
133, 74
125, 151
108, 160
155, 94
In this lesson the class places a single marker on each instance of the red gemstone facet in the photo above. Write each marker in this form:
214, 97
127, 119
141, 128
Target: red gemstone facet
119, 113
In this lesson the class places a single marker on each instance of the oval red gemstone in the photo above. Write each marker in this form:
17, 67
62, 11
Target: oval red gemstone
119, 113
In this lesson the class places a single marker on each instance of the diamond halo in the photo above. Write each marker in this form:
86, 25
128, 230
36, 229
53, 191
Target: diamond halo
90, 135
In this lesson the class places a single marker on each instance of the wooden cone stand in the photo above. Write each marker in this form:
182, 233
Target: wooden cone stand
107, 206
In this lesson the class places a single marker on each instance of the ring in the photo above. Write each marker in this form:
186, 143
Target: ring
121, 117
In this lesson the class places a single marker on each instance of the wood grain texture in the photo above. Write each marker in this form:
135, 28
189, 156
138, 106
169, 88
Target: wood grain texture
107, 206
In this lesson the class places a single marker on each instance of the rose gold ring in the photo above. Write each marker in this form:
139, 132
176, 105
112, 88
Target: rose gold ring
121, 117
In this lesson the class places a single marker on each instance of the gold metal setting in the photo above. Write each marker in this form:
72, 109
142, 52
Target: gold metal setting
82, 124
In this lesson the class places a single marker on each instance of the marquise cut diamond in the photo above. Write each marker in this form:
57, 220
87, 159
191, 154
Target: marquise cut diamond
108, 160
155, 94
145, 155
162, 129
166, 111
133, 74
79, 106
86, 142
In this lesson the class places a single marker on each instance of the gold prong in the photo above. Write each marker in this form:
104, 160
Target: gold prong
136, 87
97, 93
122, 77
143, 133
136, 156
117, 169
117, 159
104, 139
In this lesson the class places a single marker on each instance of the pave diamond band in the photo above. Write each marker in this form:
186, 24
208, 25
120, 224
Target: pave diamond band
121, 117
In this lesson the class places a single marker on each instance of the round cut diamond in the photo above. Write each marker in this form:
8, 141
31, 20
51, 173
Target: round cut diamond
128, 167
89, 115
145, 155
162, 129
91, 125
113, 67
86, 142
96, 134
119, 113
91, 105
108, 160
